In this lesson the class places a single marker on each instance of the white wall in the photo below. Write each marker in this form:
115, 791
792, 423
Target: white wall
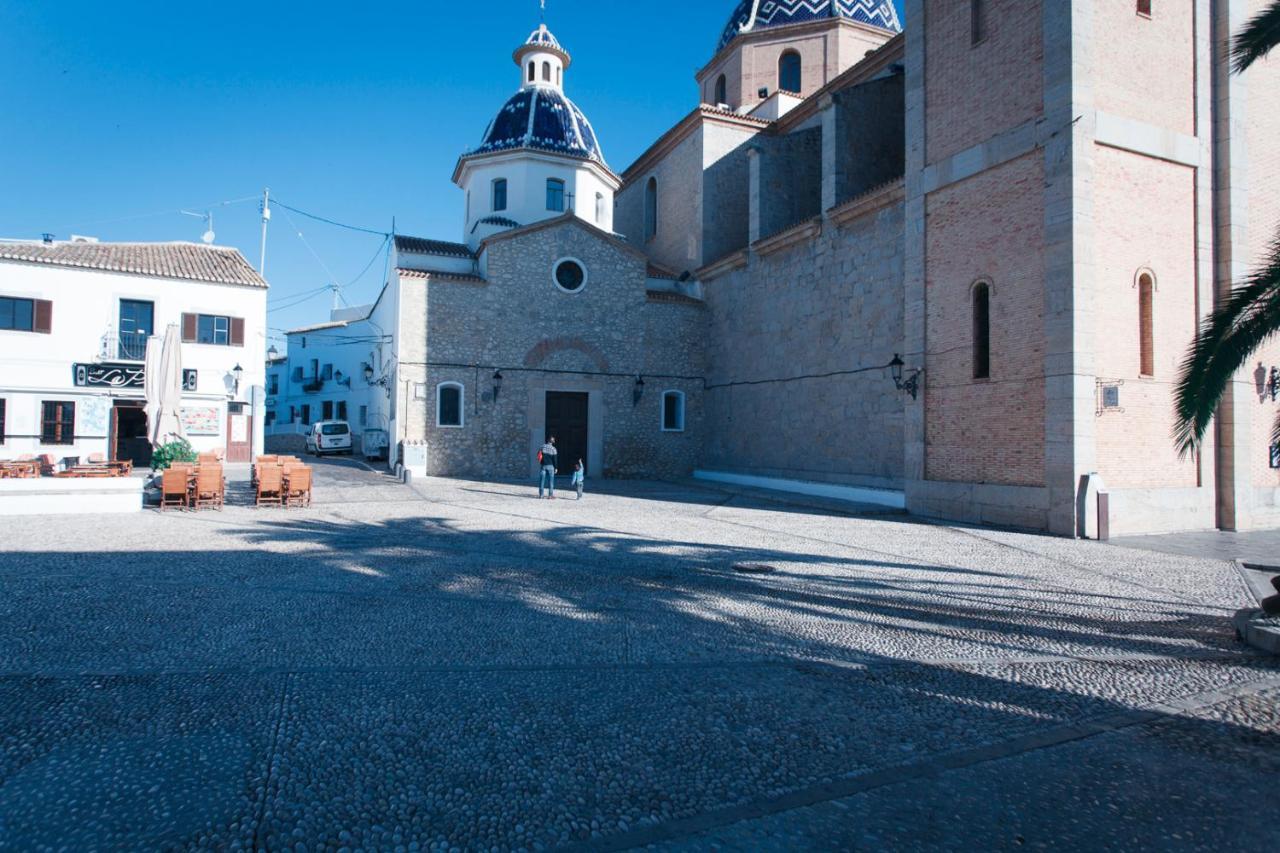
526, 175
86, 309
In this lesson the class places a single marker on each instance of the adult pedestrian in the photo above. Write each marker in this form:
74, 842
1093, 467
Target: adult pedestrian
547, 458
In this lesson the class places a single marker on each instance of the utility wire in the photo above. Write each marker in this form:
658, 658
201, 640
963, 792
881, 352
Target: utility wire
279, 203
163, 212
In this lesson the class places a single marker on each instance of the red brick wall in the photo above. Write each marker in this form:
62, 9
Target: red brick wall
975, 92
1144, 219
1145, 67
988, 227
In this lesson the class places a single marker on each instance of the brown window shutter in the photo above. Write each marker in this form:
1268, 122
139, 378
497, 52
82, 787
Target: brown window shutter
189, 330
43, 320
237, 332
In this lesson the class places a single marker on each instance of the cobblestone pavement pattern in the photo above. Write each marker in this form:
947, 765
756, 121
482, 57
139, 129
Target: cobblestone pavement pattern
460, 666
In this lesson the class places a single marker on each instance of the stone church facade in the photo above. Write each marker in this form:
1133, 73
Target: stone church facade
1033, 204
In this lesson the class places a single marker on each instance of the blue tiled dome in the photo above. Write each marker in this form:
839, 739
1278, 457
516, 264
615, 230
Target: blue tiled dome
543, 119
753, 15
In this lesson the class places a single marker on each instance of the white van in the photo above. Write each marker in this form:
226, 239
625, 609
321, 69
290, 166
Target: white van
329, 437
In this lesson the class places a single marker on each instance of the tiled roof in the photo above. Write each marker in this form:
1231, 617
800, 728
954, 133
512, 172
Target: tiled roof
187, 261
541, 119
750, 16
438, 275
672, 296
420, 246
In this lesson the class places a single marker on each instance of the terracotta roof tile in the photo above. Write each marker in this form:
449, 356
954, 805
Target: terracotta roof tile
420, 246
187, 261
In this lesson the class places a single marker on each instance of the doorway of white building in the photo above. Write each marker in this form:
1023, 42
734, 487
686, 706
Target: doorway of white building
129, 438
239, 433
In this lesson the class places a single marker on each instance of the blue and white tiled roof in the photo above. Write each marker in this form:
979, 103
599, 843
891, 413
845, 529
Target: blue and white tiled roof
753, 15
542, 119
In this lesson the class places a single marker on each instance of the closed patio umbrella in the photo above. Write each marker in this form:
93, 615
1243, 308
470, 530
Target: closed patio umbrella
168, 423
151, 383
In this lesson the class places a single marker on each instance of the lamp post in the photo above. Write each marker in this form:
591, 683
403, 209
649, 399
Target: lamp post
237, 373
908, 383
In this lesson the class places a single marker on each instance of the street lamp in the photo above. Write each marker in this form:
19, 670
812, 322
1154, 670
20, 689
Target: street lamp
273, 353
638, 391
237, 373
909, 383
497, 384
368, 374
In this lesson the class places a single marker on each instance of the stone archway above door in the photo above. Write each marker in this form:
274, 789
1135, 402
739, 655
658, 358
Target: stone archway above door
548, 349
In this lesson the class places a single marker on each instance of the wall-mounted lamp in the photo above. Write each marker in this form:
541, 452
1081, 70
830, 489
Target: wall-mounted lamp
368, 374
237, 373
638, 391
497, 384
1273, 384
910, 382
763, 93
273, 353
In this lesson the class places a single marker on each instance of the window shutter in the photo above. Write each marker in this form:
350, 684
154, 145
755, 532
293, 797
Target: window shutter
189, 328
43, 317
237, 332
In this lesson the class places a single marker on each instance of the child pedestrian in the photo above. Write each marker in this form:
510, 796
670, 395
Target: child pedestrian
579, 477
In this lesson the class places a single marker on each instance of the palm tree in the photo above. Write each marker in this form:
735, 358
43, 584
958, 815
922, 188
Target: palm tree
1251, 316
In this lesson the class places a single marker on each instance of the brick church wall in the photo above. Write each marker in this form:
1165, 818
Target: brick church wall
832, 303
1145, 70
1144, 213
975, 92
989, 227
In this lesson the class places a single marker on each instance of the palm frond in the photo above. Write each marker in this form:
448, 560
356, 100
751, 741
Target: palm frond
1228, 339
1258, 37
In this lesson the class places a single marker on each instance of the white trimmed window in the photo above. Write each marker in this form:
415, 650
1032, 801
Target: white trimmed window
673, 411
450, 405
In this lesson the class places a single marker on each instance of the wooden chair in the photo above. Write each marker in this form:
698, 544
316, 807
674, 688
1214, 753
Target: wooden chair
210, 489
207, 458
271, 486
298, 487
173, 489
47, 466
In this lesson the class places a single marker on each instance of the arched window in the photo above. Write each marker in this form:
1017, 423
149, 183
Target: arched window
500, 194
722, 90
599, 208
789, 72
673, 411
546, 71
558, 77
982, 330
450, 412
533, 71
1146, 324
651, 209
977, 20
555, 195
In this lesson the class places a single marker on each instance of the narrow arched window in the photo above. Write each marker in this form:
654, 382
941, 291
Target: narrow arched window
982, 330
555, 195
533, 72
977, 21
651, 209
789, 72
450, 413
722, 90
673, 411
558, 77
499, 194
546, 71
1146, 324
599, 208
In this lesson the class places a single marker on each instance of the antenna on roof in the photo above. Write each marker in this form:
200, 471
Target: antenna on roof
543, 13
266, 218
208, 237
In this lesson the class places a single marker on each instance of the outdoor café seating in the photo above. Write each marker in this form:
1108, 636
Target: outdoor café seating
282, 481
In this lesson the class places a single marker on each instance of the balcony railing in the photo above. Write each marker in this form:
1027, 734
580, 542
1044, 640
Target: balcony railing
132, 346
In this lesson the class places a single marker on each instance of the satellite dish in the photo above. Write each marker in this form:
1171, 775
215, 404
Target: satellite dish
208, 237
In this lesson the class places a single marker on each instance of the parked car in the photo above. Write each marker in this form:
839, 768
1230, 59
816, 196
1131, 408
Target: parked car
329, 437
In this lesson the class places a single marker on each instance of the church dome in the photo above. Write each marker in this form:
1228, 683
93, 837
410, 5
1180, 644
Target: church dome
543, 119
752, 15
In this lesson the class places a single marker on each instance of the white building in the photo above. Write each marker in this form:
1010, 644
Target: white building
74, 322
326, 374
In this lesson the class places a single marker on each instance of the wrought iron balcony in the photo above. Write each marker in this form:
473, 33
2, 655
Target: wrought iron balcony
123, 346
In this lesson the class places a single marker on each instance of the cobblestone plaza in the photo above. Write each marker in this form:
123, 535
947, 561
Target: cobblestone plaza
458, 665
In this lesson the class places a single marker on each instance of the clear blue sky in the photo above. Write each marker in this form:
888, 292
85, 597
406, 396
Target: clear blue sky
118, 115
